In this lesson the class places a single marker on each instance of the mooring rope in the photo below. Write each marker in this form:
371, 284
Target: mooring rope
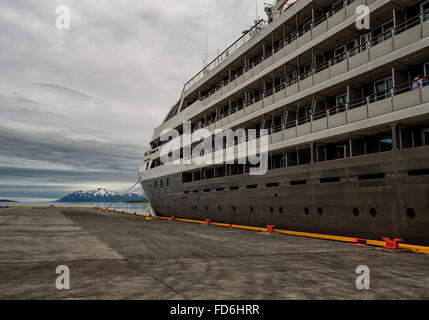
112, 203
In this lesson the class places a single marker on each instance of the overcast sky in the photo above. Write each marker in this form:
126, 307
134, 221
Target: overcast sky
78, 106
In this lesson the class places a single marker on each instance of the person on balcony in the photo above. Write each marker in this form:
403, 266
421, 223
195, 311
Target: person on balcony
417, 82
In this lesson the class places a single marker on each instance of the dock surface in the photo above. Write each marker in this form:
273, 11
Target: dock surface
115, 256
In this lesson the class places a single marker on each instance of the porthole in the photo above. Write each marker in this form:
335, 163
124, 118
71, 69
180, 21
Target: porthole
207, 208
411, 213
320, 211
192, 208
281, 210
356, 212
196, 208
251, 209
373, 212
271, 209
276, 195
234, 209
306, 211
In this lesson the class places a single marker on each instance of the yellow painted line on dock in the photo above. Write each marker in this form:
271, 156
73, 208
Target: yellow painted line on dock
417, 249
414, 248
377, 243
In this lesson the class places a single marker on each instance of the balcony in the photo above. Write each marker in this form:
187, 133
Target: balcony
398, 98
293, 42
374, 48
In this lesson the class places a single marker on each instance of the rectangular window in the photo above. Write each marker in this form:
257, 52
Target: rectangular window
341, 99
298, 182
272, 185
307, 69
425, 10
340, 102
383, 88
330, 180
372, 176
291, 78
382, 32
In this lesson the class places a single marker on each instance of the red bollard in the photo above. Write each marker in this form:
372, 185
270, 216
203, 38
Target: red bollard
208, 221
52, 205
230, 226
270, 228
360, 242
173, 218
392, 244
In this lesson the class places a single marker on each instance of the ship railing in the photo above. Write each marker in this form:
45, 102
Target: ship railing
228, 51
341, 57
372, 42
288, 39
359, 102
225, 54
366, 100
336, 8
280, 86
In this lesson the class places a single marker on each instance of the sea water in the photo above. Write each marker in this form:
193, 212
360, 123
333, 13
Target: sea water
141, 208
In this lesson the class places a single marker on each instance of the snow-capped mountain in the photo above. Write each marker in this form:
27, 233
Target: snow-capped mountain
100, 195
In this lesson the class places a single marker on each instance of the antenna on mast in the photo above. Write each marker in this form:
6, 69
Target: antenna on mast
206, 40
256, 9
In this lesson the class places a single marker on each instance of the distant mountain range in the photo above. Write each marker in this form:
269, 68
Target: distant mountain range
100, 195
4, 200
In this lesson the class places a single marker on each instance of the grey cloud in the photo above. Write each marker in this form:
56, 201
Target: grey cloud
83, 103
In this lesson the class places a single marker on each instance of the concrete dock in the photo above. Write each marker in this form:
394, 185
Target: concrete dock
115, 256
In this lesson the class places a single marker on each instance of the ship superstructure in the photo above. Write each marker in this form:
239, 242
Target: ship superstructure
344, 109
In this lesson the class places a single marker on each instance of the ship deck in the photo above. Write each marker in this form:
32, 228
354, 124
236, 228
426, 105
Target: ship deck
114, 256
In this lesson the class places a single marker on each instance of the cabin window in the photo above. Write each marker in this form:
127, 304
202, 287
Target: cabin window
330, 180
307, 69
383, 88
339, 53
425, 10
291, 78
382, 32
341, 99
298, 182
272, 185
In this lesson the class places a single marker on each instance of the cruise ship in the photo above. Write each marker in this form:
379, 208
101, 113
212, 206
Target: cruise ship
339, 91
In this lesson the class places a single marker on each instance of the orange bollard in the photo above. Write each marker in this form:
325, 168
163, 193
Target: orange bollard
392, 244
270, 228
